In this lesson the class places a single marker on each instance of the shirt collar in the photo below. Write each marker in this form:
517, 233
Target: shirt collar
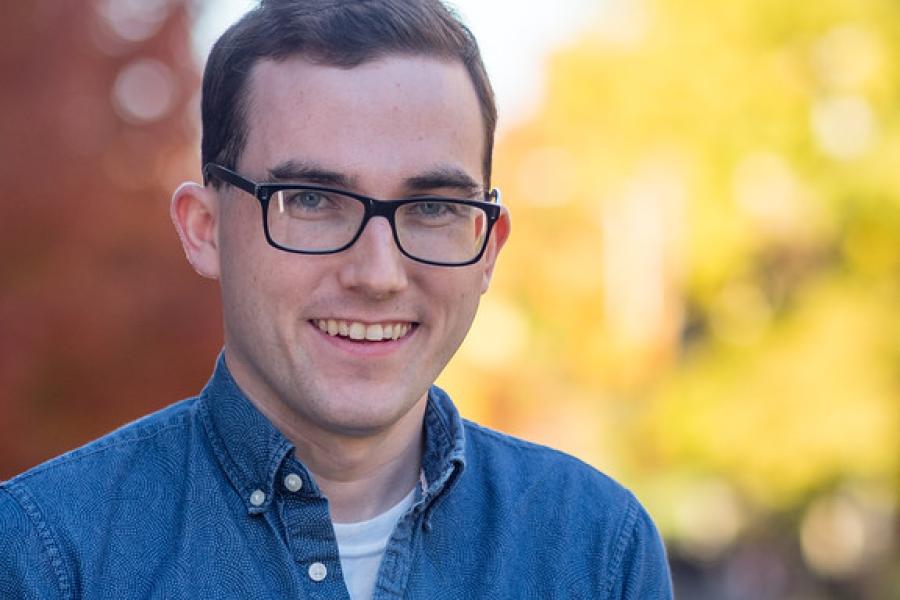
444, 457
251, 450
248, 447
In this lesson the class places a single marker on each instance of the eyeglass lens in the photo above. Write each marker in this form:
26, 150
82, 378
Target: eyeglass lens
433, 230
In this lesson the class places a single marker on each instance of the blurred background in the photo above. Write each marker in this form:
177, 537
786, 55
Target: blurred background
701, 296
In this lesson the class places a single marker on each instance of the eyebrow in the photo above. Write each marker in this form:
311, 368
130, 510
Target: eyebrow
444, 178
292, 170
438, 178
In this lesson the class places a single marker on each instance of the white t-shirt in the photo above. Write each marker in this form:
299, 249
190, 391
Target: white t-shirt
362, 545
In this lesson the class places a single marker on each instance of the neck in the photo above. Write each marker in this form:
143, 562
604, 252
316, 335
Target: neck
361, 475
364, 478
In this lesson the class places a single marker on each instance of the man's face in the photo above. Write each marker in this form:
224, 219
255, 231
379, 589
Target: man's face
392, 128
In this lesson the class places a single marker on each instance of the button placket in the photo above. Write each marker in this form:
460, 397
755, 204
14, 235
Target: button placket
306, 519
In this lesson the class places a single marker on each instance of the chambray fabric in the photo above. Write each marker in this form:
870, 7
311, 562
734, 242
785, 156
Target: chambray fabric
161, 508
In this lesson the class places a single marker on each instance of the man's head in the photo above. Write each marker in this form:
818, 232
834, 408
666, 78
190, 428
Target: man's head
339, 33
399, 121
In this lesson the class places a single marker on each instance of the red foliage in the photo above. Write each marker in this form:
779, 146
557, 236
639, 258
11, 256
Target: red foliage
101, 318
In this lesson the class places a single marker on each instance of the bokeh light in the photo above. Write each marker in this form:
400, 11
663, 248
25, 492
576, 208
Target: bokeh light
144, 91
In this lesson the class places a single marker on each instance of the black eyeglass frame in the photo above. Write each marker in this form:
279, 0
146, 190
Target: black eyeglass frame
373, 207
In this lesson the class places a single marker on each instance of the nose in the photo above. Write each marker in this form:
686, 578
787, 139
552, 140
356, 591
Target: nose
374, 264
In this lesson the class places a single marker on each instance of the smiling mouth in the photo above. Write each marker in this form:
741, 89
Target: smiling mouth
358, 331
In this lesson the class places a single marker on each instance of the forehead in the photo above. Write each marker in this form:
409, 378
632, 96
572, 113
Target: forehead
393, 115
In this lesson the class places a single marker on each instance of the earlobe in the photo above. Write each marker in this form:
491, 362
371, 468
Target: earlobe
499, 235
194, 212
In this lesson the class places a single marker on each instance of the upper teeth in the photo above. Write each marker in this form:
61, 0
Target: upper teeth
362, 331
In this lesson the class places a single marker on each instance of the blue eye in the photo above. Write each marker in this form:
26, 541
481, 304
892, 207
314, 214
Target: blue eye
315, 205
308, 200
431, 209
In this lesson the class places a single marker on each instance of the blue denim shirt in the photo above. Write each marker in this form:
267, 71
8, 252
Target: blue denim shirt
191, 502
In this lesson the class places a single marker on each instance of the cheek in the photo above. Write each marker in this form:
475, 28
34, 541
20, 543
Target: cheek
245, 279
240, 223
245, 253
459, 292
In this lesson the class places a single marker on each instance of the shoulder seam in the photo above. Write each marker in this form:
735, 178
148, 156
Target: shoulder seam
20, 495
622, 543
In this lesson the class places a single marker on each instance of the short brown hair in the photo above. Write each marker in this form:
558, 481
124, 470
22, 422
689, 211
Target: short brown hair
342, 33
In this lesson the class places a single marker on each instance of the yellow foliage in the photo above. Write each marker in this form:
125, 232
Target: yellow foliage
702, 281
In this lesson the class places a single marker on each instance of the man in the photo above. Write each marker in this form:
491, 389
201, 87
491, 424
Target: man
319, 461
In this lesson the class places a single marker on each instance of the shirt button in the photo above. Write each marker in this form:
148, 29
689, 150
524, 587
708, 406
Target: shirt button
257, 498
317, 571
293, 482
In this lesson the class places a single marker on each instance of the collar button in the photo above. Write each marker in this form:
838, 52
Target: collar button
293, 482
257, 498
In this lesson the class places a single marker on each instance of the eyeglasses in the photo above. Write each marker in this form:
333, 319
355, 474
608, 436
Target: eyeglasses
309, 219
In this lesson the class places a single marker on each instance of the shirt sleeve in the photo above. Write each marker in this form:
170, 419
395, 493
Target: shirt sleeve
30, 566
645, 571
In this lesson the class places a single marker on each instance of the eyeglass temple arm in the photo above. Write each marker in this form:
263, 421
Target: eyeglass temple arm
228, 176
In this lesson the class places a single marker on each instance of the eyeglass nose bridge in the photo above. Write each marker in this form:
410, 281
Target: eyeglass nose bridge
380, 208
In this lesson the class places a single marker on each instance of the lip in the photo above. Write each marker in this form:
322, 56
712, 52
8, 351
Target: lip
363, 347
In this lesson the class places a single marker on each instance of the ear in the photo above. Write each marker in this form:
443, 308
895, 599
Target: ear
499, 235
194, 212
